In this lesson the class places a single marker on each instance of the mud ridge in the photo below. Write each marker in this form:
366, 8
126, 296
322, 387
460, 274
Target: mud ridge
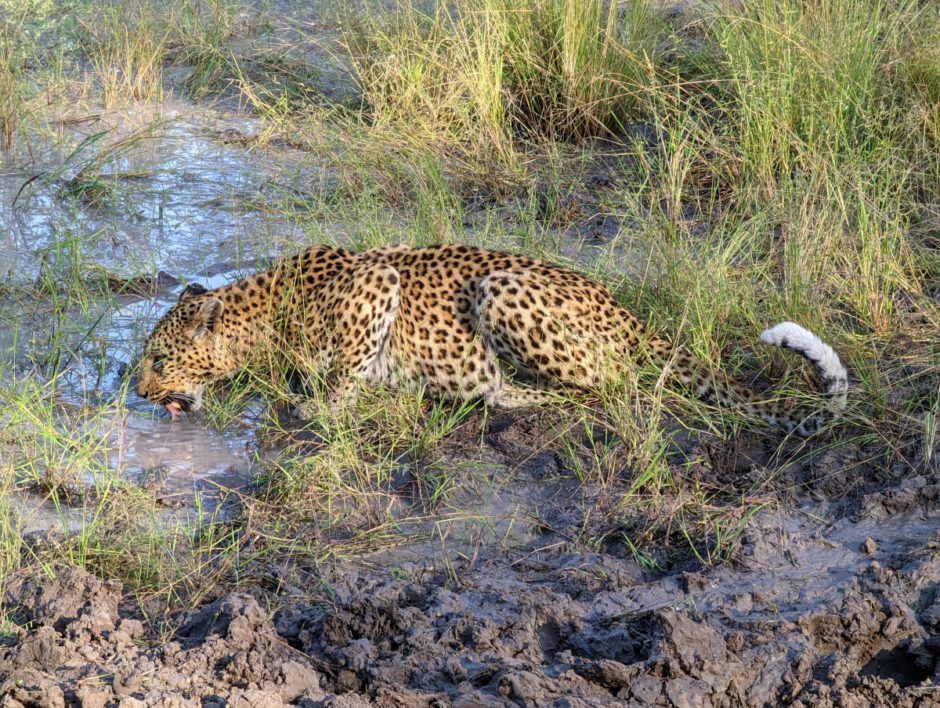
847, 614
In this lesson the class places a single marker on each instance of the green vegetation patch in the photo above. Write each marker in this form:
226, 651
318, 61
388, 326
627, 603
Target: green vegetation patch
721, 167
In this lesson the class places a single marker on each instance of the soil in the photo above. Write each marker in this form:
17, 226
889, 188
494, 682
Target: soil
830, 595
810, 612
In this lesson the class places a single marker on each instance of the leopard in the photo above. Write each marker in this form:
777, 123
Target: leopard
462, 321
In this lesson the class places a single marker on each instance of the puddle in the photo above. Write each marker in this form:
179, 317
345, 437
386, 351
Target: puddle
179, 199
183, 464
180, 204
179, 458
175, 460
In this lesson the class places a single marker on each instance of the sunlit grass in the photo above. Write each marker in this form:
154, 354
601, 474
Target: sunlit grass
766, 161
128, 50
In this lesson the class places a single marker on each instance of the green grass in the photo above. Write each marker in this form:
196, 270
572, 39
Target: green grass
57, 460
127, 50
807, 80
765, 161
12, 103
22, 79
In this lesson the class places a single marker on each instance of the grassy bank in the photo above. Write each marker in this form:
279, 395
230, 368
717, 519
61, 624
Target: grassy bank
721, 168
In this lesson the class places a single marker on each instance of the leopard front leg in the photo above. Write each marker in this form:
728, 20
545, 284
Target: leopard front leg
359, 313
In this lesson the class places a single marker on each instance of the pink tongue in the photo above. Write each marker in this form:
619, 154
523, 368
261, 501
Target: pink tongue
173, 409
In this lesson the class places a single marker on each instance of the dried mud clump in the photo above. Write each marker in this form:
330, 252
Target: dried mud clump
845, 612
82, 652
800, 618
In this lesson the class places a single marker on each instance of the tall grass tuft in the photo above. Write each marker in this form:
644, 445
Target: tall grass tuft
14, 82
198, 33
574, 68
810, 80
479, 76
127, 50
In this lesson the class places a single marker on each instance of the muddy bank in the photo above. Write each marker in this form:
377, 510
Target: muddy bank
503, 563
845, 613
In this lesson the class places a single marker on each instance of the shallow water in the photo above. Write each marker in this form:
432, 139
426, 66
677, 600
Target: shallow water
180, 197
187, 215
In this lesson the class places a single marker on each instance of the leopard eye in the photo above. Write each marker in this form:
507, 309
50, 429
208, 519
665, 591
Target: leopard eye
157, 362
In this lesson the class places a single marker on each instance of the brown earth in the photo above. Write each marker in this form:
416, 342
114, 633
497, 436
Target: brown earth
824, 603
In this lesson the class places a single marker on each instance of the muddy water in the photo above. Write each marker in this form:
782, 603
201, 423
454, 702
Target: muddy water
180, 199
180, 202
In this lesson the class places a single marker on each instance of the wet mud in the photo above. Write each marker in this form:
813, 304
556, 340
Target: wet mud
808, 612
829, 596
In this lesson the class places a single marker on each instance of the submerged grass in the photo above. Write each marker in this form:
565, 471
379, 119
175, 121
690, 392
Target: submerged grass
765, 161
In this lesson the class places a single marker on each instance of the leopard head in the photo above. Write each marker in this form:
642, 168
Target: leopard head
184, 353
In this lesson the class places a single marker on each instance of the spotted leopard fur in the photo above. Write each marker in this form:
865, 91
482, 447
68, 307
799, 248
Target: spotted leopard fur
467, 322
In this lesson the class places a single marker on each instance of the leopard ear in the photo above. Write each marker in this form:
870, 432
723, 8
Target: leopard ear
193, 289
206, 318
